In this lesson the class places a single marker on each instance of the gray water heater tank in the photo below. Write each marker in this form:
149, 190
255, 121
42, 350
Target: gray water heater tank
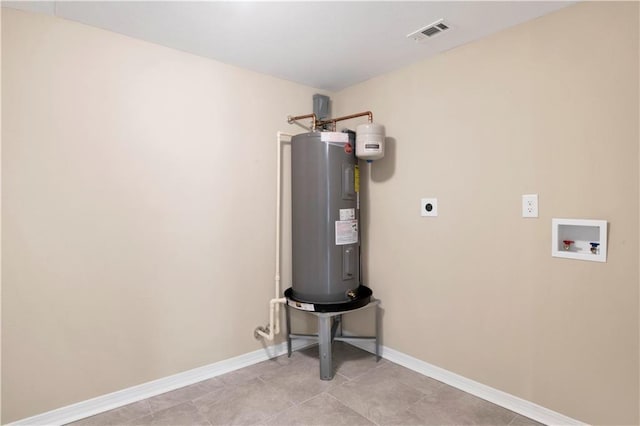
325, 217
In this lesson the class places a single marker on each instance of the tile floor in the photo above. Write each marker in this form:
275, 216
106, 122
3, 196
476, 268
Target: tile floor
288, 391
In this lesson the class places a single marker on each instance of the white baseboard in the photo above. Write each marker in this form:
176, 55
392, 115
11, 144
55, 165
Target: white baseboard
133, 394
498, 397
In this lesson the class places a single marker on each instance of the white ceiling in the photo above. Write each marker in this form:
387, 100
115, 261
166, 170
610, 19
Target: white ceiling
327, 45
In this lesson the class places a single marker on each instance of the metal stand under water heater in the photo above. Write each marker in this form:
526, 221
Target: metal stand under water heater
325, 193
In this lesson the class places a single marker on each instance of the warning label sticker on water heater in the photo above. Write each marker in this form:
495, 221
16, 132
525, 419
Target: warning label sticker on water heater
347, 214
346, 232
300, 305
335, 137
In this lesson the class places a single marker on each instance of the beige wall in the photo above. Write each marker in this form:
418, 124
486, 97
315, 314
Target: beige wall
136, 190
138, 210
548, 107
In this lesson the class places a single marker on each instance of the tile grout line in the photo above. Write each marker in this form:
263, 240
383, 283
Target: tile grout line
274, 388
349, 408
281, 412
139, 417
515, 416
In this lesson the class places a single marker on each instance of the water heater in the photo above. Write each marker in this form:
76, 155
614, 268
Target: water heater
325, 217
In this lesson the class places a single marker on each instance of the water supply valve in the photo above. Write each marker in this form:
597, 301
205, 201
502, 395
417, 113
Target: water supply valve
567, 244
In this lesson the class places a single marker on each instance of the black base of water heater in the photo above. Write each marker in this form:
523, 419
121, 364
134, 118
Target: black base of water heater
363, 297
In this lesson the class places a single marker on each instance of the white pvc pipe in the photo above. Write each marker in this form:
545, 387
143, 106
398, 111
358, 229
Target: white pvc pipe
274, 304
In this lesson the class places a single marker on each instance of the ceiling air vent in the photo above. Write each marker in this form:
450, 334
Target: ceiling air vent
429, 31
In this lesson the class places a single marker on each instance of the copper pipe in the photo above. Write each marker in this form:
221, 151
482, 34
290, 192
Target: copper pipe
333, 121
291, 119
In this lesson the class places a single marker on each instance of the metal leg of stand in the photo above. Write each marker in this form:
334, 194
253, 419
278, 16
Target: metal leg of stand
288, 319
324, 338
377, 320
